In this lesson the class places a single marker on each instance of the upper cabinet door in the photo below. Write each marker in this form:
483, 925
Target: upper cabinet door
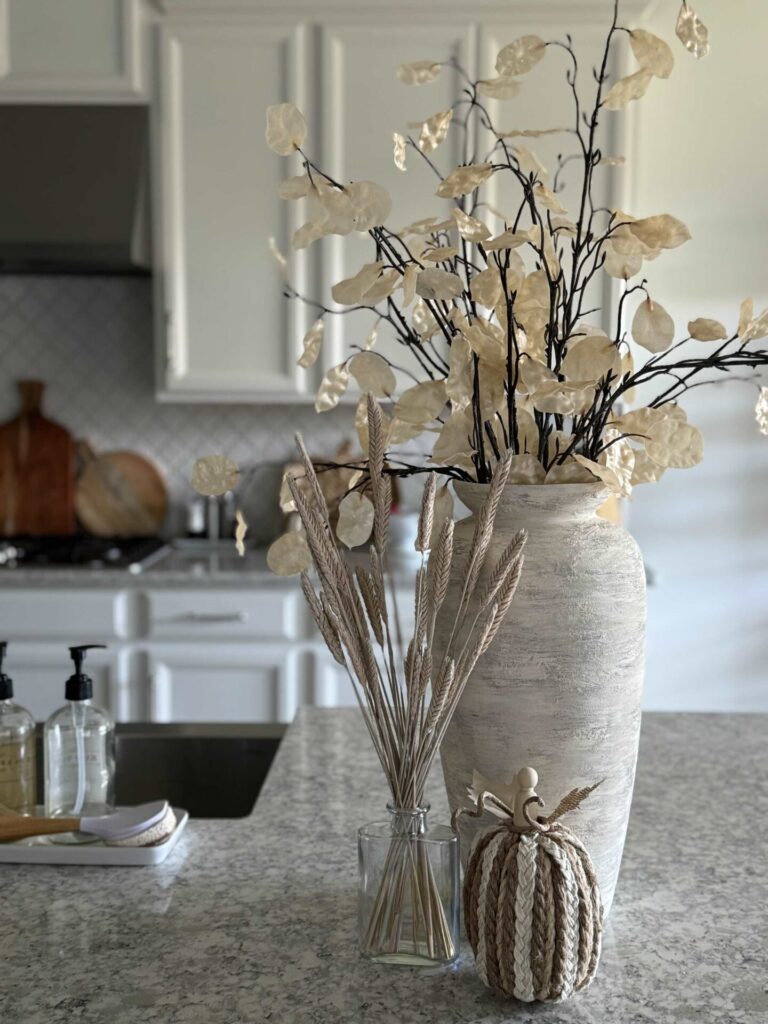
546, 101
363, 104
226, 331
71, 51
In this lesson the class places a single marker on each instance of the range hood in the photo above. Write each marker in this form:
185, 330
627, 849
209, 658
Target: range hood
74, 190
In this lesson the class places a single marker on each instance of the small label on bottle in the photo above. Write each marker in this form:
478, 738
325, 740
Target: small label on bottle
17, 775
90, 757
15, 760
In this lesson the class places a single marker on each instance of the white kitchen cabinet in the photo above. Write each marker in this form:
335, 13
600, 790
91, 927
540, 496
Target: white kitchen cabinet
227, 333
208, 69
332, 687
356, 124
222, 683
210, 614
179, 653
71, 51
546, 101
80, 615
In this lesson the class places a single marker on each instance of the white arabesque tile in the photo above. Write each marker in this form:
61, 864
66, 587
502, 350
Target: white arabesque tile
90, 339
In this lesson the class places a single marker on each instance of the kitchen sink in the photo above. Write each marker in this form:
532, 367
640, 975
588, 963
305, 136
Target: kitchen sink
213, 771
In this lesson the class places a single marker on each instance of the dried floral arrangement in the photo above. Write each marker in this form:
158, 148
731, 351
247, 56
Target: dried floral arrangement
407, 700
491, 308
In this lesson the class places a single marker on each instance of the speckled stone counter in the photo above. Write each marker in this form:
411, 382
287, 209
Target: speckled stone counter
184, 567
255, 920
176, 568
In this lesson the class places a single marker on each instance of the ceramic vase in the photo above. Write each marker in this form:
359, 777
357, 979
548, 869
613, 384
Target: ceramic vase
560, 688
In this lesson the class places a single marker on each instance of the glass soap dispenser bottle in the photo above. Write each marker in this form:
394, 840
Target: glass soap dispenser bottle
79, 743
18, 777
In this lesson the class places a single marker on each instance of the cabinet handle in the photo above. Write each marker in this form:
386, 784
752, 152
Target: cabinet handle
212, 617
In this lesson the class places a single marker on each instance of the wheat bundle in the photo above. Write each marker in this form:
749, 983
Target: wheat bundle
406, 698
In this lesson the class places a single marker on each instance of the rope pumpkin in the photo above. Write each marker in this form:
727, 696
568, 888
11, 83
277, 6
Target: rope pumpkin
532, 905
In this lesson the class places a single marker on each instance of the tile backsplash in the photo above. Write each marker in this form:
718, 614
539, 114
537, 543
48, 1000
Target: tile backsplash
90, 339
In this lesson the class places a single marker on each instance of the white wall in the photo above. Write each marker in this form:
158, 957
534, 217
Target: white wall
701, 153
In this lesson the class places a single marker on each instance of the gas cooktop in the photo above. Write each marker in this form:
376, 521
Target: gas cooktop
133, 553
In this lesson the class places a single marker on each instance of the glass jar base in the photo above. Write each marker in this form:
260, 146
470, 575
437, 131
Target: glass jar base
404, 958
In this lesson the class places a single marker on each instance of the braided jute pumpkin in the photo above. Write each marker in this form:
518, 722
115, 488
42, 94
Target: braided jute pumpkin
532, 905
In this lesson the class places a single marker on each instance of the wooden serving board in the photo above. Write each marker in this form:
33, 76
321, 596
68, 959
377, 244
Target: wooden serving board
37, 471
120, 494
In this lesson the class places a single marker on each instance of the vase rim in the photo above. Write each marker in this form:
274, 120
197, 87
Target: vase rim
586, 488
541, 498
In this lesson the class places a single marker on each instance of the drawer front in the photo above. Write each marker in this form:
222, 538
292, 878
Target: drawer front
222, 614
405, 616
74, 616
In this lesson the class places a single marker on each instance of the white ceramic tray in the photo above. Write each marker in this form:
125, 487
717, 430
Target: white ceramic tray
42, 850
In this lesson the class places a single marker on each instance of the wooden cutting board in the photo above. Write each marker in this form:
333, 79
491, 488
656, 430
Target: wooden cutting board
119, 494
37, 471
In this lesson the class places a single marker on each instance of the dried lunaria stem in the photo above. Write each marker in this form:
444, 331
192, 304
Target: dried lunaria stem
493, 299
406, 701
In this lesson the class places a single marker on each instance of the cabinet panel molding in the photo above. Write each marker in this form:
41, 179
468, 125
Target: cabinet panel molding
68, 615
222, 683
545, 101
332, 687
226, 333
356, 126
78, 51
549, 13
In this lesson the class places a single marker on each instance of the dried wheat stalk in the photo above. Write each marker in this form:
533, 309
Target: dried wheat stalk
407, 701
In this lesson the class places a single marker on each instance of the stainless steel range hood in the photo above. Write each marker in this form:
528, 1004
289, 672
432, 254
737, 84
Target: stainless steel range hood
74, 195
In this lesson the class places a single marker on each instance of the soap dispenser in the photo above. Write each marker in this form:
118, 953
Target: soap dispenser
79, 743
18, 777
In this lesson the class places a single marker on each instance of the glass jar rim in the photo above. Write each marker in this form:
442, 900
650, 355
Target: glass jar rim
414, 812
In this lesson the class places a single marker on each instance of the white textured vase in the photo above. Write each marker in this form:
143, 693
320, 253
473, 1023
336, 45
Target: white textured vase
560, 688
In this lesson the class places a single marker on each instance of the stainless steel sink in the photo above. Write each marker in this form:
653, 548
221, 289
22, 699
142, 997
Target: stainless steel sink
214, 771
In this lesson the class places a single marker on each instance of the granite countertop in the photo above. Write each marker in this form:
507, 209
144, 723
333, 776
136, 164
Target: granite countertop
185, 567
255, 920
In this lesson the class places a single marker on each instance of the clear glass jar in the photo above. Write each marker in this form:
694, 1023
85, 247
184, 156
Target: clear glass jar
409, 890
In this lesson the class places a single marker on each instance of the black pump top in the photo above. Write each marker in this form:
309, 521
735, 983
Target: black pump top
80, 686
6, 683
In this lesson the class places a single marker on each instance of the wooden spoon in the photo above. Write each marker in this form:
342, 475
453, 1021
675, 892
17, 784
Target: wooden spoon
111, 827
